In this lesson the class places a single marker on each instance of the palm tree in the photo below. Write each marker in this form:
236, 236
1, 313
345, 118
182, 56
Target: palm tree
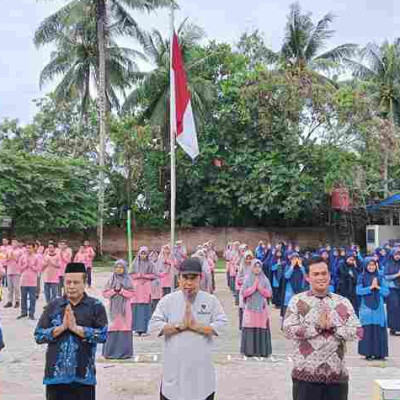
153, 88
378, 70
304, 41
76, 60
108, 14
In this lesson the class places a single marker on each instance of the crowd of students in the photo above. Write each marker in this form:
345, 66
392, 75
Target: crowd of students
27, 268
274, 274
134, 294
269, 275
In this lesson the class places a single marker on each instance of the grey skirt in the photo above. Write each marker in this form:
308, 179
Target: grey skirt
256, 342
119, 345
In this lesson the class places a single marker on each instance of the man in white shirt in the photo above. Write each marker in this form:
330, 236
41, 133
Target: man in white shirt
188, 319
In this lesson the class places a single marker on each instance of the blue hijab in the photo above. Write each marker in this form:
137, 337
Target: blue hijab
372, 300
393, 266
297, 278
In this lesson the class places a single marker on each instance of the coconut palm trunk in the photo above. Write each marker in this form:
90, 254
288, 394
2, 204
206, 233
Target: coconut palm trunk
102, 106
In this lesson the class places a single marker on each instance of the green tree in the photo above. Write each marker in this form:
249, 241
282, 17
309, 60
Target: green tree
305, 41
43, 193
152, 92
108, 14
378, 73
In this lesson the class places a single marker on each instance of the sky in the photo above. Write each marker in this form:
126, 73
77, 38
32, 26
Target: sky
357, 21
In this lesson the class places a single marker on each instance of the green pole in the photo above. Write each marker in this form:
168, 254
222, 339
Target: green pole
129, 230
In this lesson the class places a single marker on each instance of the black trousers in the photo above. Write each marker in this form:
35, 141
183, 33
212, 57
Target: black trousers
319, 391
210, 397
70, 392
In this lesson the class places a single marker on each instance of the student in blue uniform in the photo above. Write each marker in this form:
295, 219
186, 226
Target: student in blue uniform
372, 289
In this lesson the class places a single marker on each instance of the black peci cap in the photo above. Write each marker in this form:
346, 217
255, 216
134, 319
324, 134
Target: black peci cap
75, 268
191, 266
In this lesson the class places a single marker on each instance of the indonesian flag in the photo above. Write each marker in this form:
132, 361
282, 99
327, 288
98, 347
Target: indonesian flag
182, 120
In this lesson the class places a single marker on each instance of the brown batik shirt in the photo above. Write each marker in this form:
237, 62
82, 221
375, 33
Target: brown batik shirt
319, 355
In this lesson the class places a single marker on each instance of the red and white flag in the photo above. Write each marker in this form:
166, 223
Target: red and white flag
182, 120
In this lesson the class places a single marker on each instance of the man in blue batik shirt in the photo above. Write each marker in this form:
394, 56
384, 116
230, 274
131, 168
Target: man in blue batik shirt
72, 326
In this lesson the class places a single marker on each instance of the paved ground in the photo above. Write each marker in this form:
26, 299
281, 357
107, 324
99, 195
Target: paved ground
21, 365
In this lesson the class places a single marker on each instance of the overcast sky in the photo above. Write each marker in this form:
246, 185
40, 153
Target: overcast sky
358, 21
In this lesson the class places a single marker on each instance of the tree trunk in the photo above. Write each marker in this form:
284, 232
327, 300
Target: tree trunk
102, 105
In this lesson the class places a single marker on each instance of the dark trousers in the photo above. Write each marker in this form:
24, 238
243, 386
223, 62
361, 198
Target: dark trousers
210, 397
60, 286
28, 294
319, 391
38, 284
50, 291
70, 392
89, 276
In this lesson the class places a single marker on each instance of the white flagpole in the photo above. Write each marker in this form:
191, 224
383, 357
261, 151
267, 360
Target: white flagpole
172, 119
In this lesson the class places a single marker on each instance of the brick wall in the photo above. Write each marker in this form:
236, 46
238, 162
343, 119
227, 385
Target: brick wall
115, 238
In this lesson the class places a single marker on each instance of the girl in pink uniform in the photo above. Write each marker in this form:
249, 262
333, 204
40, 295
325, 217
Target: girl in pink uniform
165, 267
51, 266
142, 274
256, 335
119, 290
89, 257
244, 269
30, 266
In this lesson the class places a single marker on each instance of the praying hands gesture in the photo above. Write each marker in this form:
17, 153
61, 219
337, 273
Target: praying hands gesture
188, 324
325, 322
375, 284
69, 323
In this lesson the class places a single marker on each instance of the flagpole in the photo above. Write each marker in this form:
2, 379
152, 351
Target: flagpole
172, 129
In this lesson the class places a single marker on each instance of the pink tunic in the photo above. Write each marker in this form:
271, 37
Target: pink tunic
80, 258
121, 322
51, 266
255, 319
156, 292
30, 267
12, 261
40, 250
233, 266
89, 256
4, 251
142, 285
166, 276
65, 258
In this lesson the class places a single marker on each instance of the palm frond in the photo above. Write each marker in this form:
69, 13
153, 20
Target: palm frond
50, 28
371, 53
339, 53
147, 5
298, 31
358, 69
57, 66
123, 23
319, 36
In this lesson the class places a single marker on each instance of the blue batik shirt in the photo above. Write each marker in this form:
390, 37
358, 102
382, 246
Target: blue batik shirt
70, 358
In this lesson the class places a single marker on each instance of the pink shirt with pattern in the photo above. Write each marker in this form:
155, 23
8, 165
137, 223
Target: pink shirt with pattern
31, 265
319, 355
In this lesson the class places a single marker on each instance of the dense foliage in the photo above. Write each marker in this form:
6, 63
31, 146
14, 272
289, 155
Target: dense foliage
278, 131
